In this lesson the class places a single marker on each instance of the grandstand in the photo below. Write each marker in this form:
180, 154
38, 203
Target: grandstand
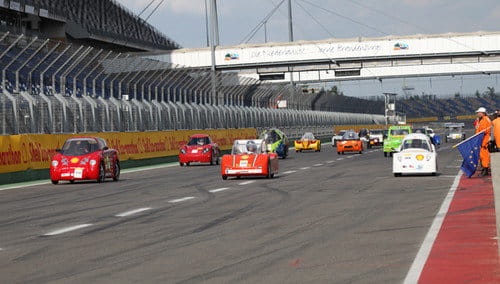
415, 108
104, 23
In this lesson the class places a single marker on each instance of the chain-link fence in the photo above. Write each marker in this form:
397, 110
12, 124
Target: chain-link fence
55, 87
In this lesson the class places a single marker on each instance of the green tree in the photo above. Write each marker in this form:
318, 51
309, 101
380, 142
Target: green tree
457, 95
478, 94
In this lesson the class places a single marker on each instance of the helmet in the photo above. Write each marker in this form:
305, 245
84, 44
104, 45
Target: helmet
251, 146
481, 109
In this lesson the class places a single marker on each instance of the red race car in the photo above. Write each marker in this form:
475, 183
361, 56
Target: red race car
200, 148
85, 158
249, 158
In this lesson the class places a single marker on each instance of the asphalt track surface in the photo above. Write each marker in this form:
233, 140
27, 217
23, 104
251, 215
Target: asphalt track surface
324, 219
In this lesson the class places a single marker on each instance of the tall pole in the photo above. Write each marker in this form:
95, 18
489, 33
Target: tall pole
206, 23
290, 21
214, 41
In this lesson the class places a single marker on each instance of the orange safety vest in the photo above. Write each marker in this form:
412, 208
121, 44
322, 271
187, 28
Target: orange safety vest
484, 124
496, 131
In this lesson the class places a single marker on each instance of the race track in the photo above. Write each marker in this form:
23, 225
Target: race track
324, 219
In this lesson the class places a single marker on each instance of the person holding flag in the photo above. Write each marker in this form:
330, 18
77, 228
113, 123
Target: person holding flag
484, 125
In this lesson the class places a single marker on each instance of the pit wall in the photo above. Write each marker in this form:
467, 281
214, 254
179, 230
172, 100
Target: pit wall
34, 151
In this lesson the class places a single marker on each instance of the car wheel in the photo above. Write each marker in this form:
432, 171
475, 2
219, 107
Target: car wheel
272, 175
397, 174
212, 159
55, 181
446, 139
187, 164
385, 154
224, 177
343, 153
296, 151
181, 164
72, 181
338, 153
217, 160
116, 177
101, 176
434, 174
390, 154
361, 152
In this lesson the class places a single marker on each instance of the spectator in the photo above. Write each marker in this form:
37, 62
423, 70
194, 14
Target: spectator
484, 124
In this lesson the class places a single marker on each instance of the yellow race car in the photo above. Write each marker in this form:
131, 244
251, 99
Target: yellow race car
307, 142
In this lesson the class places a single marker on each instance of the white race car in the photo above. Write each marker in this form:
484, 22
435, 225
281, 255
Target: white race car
416, 155
337, 137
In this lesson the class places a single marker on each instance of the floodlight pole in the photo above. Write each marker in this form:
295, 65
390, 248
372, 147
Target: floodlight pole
387, 101
214, 41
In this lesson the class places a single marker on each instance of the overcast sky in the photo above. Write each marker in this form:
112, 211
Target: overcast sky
184, 22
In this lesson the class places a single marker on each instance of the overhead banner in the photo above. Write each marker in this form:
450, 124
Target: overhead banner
35, 151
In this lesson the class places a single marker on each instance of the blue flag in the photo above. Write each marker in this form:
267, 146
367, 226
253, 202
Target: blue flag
470, 152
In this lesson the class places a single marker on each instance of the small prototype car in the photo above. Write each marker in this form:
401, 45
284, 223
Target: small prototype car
454, 131
337, 137
376, 138
350, 142
435, 139
416, 155
307, 142
394, 138
276, 141
85, 158
249, 158
201, 149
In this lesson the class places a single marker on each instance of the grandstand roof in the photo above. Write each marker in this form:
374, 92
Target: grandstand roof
105, 21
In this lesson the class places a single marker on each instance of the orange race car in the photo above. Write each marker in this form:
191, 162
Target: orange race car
249, 158
350, 142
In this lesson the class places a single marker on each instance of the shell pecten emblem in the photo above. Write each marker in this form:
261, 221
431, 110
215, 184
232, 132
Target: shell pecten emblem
75, 160
419, 157
245, 157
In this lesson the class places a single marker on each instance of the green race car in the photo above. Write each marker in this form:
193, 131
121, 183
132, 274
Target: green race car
394, 138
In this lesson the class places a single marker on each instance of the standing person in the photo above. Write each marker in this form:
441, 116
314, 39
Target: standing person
484, 124
496, 128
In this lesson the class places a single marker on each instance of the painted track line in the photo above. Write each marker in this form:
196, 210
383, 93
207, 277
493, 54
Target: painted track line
340, 159
425, 249
246, 182
181, 199
132, 212
67, 229
318, 165
329, 162
289, 172
218, 189
305, 168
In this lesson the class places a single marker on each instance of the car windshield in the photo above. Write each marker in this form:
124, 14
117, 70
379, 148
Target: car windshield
399, 132
271, 136
415, 144
350, 136
454, 129
376, 132
250, 147
419, 130
308, 136
430, 131
200, 141
341, 133
79, 147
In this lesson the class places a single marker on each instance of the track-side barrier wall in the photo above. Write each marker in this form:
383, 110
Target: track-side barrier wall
35, 151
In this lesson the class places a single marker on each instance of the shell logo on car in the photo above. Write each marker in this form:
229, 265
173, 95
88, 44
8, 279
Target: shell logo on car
420, 157
74, 160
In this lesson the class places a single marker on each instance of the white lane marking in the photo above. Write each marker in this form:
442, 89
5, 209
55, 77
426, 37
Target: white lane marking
447, 176
453, 166
349, 157
425, 249
181, 199
218, 189
340, 159
305, 168
132, 212
318, 165
1, 249
67, 229
289, 172
329, 162
246, 182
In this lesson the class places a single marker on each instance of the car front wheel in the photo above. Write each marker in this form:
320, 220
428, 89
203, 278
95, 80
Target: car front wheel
55, 181
101, 176
117, 171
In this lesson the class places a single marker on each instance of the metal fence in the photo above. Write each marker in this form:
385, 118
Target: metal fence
55, 87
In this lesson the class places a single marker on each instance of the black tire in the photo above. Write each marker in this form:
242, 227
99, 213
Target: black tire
224, 177
217, 160
338, 153
434, 174
446, 139
390, 154
397, 174
361, 152
187, 164
72, 181
212, 159
385, 154
55, 181
181, 164
102, 174
269, 175
116, 177
343, 153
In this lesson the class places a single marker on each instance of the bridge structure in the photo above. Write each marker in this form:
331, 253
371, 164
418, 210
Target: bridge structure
352, 59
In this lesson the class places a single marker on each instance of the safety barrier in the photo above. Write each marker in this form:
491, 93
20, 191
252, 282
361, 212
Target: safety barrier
35, 151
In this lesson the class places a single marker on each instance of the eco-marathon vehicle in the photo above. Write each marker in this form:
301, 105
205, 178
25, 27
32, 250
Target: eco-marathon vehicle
454, 131
394, 138
276, 141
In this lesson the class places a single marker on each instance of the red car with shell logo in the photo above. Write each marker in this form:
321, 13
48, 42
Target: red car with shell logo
85, 158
